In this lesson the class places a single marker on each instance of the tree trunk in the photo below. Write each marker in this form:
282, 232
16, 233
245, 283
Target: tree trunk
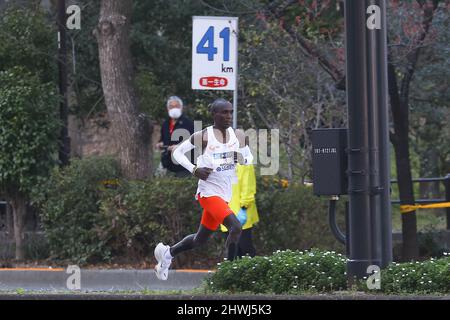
131, 130
410, 249
19, 208
9, 221
400, 141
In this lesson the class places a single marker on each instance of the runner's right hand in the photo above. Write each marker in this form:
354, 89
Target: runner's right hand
159, 145
203, 173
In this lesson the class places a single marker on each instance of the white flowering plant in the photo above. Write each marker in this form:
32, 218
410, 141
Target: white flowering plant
316, 271
419, 277
284, 272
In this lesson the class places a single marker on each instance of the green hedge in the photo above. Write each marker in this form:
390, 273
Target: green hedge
69, 204
90, 215
139, 214
292, 217
297, 272
87, 221
425, 277
287, 272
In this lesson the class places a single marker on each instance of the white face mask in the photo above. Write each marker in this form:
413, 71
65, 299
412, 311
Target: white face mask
175, 113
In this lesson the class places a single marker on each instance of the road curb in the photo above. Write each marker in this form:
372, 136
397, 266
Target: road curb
211, 297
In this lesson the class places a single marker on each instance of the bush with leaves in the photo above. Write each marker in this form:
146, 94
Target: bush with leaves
421, 277
29, 129
87, 222
291, 217
70, 203
284, 272
91, 215
140, 214
247, 275
27, 38
312, 271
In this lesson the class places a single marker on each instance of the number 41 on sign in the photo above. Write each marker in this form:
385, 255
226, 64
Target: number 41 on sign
214, 53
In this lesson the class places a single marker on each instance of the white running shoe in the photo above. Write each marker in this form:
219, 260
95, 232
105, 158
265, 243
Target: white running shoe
162, 268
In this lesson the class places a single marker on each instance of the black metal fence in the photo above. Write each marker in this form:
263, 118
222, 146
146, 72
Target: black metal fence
446, 181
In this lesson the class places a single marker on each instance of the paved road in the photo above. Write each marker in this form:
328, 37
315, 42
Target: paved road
121, 284
183, 297
97, 280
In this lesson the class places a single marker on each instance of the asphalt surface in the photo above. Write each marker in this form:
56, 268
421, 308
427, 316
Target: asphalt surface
124, 284
198, 297
56, 280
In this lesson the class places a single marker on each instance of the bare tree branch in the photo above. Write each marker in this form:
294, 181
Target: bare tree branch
310, 49
413, 57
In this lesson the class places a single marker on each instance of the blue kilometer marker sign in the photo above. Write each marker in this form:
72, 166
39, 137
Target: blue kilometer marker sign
214, 53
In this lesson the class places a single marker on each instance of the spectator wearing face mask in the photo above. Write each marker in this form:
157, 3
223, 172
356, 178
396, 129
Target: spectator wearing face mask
173, 129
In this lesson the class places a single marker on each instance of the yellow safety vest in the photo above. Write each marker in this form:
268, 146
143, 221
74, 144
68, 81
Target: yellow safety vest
243, 195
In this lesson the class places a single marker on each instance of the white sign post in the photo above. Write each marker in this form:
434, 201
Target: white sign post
214, 55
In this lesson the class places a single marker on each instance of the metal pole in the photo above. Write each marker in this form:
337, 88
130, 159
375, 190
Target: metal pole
373, 87
235, 98
64, 148
235, 92
358, 140
447, 198
384, 154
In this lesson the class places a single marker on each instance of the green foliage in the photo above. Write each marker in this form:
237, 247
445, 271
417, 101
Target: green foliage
28, 40
314, 19
91, 215
272, 97
291, 217
28, 130
139, 214
247, 274
87, 222
430, 100
160, 42
69, 204
426, 277
283, 272
297, 272
161, 39
85, 75
429, 89
432, 243
29, 124
152, 101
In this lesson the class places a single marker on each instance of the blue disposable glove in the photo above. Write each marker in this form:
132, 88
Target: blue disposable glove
242, 216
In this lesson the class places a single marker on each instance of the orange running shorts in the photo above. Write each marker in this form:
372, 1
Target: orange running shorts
215, 210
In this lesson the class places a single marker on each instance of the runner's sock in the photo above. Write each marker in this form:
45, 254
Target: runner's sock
232, 251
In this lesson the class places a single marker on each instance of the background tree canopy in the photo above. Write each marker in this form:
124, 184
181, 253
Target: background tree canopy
291, 56
29, 122
291, 68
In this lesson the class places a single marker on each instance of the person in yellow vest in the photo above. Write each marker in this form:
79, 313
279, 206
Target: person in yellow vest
243, 205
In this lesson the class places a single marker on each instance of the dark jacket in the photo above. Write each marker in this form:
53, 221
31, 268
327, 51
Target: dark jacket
166, 158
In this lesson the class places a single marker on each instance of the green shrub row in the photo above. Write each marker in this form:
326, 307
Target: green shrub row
90, 214
292, 217
421, 277
297, 272
69, 204
287, 272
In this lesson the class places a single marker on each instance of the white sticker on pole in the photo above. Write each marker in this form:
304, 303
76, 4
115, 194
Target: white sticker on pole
214, 53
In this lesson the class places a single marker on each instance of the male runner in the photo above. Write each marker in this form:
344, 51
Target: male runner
220, 145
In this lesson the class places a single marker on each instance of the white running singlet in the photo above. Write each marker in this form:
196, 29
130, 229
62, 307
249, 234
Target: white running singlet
219, 157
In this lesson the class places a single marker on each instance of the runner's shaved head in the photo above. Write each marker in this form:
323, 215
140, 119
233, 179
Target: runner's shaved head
218, 104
